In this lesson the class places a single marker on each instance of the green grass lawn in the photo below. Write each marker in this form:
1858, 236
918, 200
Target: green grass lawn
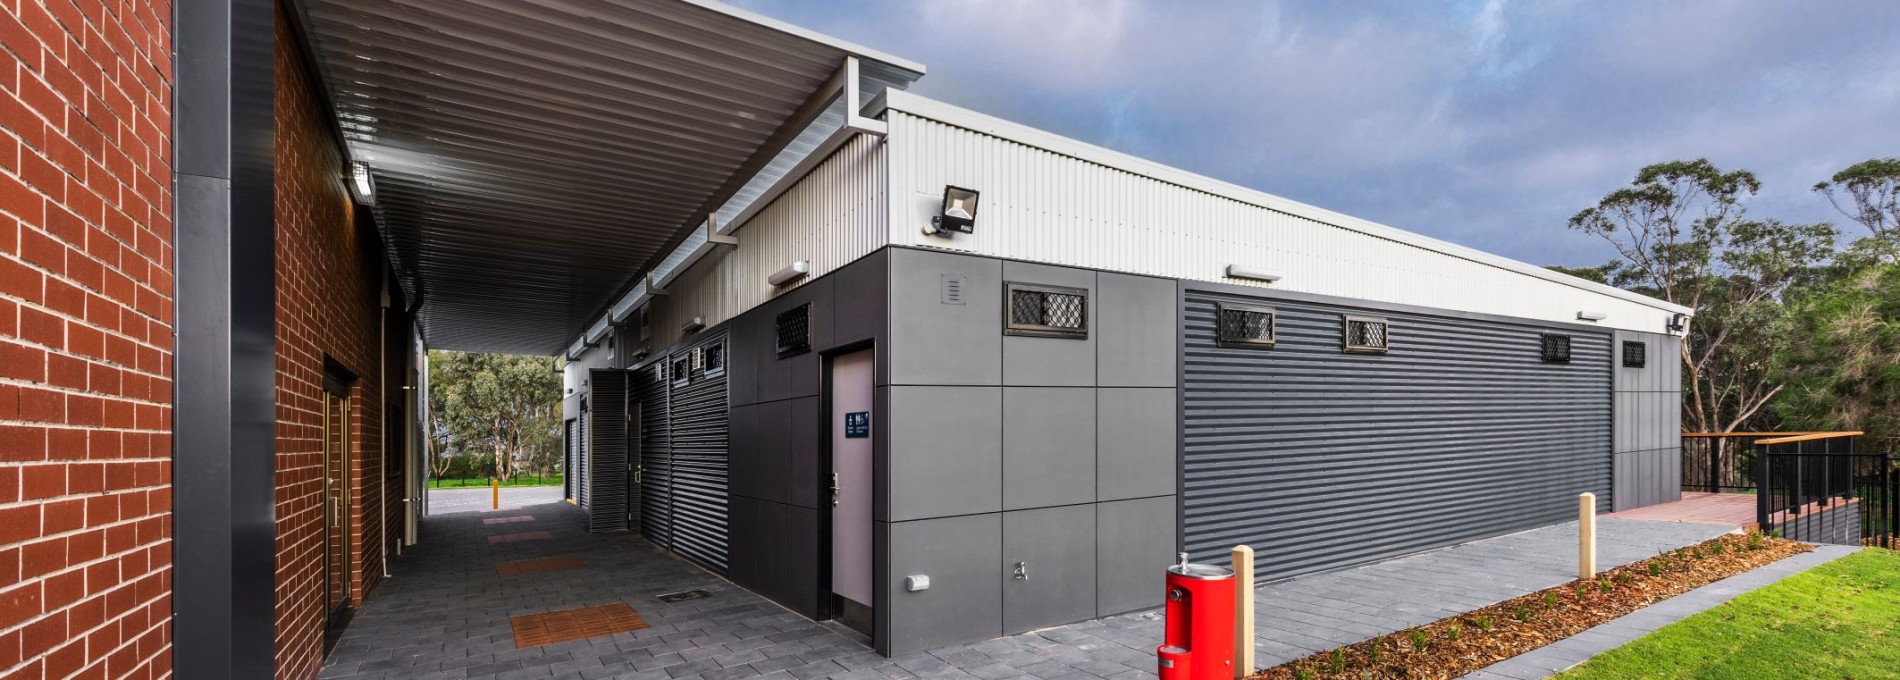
517, 481
1838, 620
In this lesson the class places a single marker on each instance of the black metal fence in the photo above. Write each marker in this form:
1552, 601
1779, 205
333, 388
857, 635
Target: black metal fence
1722, 462
1816, 488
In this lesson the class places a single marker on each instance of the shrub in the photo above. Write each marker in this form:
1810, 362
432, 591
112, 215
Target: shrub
1624, 577
1754, 540
1521, 614
1603, 583
1583, 591
1484, 622
1304, 674
1337, 661
1451, 631
1420, 640
1550, 600
1719, 548
1378, 650
1656, 568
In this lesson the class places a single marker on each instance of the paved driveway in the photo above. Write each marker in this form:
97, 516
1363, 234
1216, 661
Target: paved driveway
445, 615
475, 499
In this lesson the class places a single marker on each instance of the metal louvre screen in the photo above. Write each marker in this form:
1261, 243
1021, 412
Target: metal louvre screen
699, 462
607, 449
581, 493
1322, 459
656, 455
568, 468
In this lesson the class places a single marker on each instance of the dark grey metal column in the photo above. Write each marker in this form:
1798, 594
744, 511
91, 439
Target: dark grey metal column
223, 442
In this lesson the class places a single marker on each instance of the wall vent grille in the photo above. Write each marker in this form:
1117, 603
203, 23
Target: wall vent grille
1367, 335
1635, 354
1556, 349
794, 331
1245, 325
1046, 311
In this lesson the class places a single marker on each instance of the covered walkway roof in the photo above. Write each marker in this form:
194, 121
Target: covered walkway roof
530, 157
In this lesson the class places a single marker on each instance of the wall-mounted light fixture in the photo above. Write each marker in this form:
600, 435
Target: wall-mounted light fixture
1676, 323
1241, 271
1587, 315
361, 184
792, 272
694, 326
957, 213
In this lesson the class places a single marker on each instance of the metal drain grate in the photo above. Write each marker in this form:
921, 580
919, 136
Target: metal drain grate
535, 630
684, 595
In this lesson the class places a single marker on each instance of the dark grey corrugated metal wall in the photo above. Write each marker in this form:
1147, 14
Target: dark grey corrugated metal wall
697, 420
1320, 459
607, 450
582, 458
656, 455
568, 469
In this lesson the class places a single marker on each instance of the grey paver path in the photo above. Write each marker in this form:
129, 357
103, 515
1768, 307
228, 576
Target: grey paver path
1317, 613
480, 499
1558, 656
444, 615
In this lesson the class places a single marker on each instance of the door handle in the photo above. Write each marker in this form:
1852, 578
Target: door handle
1022, 571
835, 488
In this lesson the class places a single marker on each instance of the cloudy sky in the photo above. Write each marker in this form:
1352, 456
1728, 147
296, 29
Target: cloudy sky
1485, 123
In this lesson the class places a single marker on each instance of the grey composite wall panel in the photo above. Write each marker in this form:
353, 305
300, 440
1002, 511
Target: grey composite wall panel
937, 339
1321, 459
1136, 442
1135, 331
1048, 446
1039, 361
1135, 541
1054, 549
965, 598
607, 455
698, 421
946, 451
1648, 427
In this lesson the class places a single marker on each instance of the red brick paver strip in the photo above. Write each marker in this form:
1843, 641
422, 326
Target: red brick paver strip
539, 565
517, 538
509, 520
534, 630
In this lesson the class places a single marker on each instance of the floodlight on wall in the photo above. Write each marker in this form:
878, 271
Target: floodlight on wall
694, 326
1587, 315
792, 272
957, 213
1676, 323
1241, 271
361, 184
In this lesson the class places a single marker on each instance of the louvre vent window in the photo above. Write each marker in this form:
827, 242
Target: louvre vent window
659, 371
1246, 325
713, 358
1557, 349
1046, 311
682, 371
794, 331
1367, 335
1635, 354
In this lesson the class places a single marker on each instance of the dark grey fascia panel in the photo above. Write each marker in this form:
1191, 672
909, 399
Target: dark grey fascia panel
224, 388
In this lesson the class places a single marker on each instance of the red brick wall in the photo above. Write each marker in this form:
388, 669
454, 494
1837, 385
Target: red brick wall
329, 276
85, 339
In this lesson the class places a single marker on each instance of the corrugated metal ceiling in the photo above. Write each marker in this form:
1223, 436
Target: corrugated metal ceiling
531, 156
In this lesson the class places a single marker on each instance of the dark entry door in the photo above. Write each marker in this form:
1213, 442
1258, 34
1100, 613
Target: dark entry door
336, 503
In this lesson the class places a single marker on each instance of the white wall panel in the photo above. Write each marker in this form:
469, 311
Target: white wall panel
1047, 199
832, 217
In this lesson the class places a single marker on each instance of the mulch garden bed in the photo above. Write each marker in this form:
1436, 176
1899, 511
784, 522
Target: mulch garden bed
1455, 646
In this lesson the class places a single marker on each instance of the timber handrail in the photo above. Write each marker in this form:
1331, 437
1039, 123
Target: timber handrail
1808, 437
1720, 435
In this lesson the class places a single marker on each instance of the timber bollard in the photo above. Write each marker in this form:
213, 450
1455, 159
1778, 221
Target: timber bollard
1243, 611
495, 486
1586, 536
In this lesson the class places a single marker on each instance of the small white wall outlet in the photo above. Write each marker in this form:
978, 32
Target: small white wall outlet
916, 582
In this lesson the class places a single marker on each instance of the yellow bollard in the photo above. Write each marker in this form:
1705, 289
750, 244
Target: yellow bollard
1586, 536
1243, 611
495, 485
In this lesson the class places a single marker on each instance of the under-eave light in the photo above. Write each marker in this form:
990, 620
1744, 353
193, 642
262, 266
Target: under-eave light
1588, 315
694, 326
1241, 271
361, 184
792, 272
